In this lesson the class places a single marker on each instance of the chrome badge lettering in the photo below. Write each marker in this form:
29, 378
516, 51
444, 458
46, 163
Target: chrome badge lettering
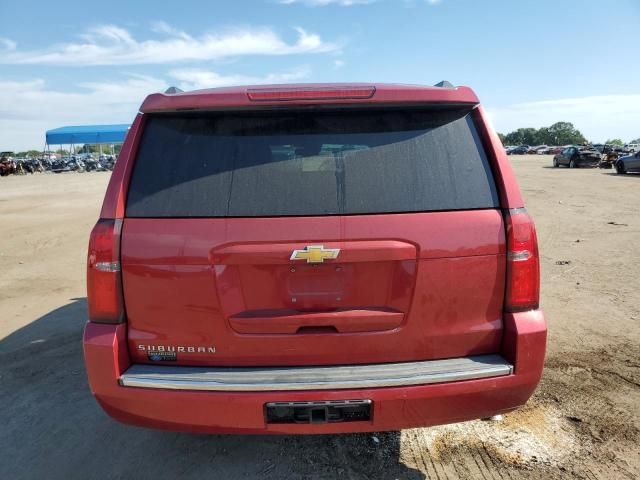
177, 348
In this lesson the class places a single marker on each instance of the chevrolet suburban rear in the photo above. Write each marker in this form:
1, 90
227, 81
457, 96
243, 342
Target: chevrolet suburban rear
312, 259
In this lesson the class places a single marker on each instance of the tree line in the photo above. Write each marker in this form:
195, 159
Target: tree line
86, 148
560, 133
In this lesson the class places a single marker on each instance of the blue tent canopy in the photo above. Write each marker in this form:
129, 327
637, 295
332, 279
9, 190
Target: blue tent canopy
87, 134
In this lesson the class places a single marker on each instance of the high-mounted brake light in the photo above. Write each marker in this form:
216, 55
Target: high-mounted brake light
309, 93
104, 282
523, 264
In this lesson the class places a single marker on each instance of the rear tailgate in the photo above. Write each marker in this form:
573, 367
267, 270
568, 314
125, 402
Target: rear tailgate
316, 237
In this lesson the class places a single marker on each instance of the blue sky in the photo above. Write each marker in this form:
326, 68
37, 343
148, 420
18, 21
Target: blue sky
531, 62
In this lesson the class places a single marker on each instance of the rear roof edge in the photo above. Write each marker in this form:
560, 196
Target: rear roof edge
237, 97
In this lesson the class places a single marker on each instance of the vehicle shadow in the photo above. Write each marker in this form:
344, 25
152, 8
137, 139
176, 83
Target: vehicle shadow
628, 175
53, 428
565, 167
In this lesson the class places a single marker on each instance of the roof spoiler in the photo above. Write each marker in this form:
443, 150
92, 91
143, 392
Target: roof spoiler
444, 84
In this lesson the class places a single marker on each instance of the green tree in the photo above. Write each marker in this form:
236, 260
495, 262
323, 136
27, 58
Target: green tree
614, 141
29, 153
637, 140
564, 133
560, 133
87, 148
502, 138
545, 137
522, 136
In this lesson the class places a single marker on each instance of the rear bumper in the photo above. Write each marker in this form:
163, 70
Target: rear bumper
394, 407
588, 162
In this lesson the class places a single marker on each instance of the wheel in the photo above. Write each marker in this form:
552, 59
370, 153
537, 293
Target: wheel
620, 168
555, 163
572, 164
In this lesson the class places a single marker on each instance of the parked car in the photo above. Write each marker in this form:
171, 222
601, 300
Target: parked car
521, 150
632, 147
556, 150
536, 150
604, 148
295, 266
574, 157
545, 150
628, 164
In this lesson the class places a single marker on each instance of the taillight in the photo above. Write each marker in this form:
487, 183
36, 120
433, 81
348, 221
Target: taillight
309, 93
523, 265
104, 282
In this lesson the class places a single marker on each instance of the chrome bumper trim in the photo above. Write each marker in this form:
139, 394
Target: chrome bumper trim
246, 379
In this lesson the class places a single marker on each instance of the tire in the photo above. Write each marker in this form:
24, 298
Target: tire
572, 164
620, 168
555, 163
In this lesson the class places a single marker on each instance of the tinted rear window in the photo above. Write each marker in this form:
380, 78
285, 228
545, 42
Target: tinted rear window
309, 163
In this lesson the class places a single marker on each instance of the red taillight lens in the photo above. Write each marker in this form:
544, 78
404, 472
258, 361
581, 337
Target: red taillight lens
523, 264
309, 93
104, 283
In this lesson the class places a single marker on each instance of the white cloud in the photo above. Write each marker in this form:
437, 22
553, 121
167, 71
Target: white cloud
6, 44
193, 79
338, 63
598, 117
29, 108
324, 3
417, 3
345, 3
114, 45
90, 101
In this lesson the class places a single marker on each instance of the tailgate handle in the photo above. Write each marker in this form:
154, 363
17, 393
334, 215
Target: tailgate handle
311, 330
335, 321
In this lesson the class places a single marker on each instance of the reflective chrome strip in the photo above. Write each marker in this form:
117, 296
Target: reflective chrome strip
520, 256
315, 378
107, 266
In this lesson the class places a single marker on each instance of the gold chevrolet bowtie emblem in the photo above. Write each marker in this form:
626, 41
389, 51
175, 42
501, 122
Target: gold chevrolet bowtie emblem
315, 254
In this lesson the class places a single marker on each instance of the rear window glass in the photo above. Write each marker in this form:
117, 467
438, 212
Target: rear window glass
282, 163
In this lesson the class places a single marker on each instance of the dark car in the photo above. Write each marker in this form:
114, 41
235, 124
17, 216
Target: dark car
521, 150
312, 259
574, 157
628, 164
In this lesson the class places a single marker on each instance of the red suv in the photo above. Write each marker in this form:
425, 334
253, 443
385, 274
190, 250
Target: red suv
312, 259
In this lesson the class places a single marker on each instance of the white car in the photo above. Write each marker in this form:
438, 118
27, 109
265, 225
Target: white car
633, 147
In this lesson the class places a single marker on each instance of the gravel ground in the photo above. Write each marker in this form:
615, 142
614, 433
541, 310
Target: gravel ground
583, 422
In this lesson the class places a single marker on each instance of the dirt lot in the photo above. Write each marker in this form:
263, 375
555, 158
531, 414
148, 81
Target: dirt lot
583, 422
